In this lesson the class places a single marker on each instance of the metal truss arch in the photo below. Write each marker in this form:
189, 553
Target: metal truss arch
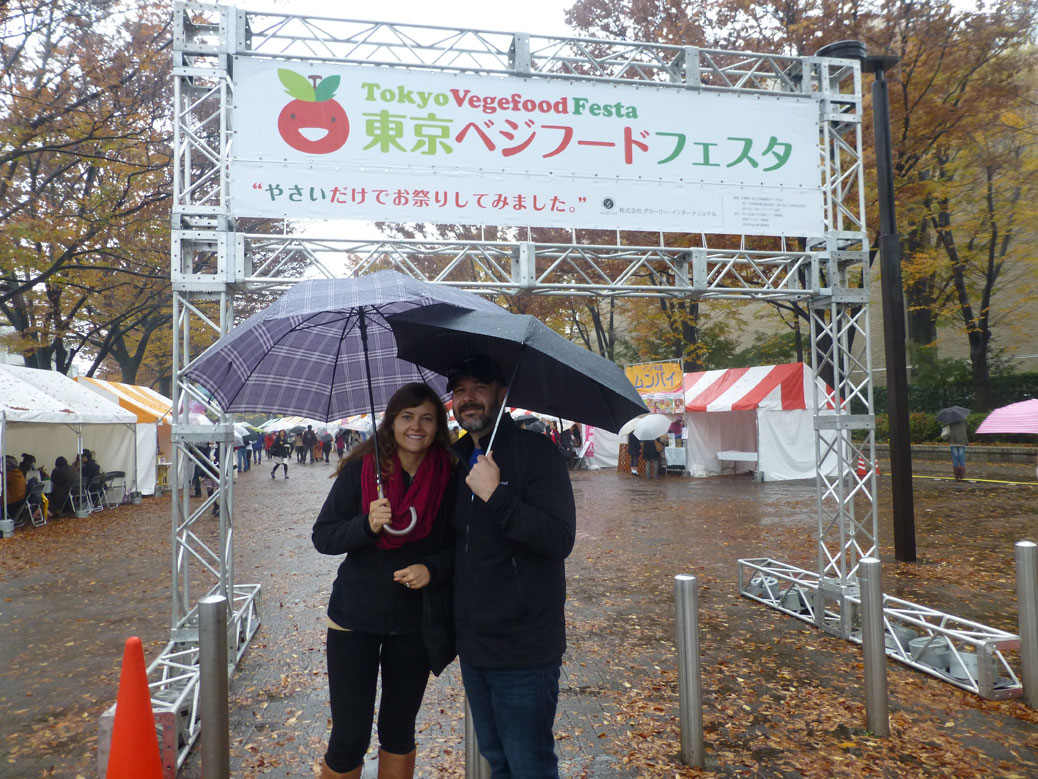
212, 264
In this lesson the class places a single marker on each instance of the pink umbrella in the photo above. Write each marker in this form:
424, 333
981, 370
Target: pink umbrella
1015, 418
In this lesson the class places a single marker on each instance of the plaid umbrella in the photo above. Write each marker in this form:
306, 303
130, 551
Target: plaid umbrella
324, 349
305, 354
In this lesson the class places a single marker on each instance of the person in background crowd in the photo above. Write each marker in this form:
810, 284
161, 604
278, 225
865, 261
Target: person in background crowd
634, 451
280, 451
14, 488
514, 522
61, 480
375, 614
957, 442
340, 443
28, 467
297, 444
574, 431
257, 449
268, 441
244, 455
676, 429
652, 453
91, 468
202, 451
309, 442
27, 464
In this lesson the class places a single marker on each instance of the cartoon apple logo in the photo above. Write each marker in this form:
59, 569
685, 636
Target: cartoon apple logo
312, 123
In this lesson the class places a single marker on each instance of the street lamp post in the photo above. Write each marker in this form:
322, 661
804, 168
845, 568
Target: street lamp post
894, 331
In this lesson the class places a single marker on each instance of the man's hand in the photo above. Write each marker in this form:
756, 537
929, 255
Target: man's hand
380, 514
484, 477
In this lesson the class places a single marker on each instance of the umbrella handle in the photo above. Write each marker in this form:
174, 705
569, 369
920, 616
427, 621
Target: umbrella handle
414, 521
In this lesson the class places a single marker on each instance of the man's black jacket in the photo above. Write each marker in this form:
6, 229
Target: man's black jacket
509, 561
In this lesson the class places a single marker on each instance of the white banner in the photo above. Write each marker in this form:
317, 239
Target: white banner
327, 141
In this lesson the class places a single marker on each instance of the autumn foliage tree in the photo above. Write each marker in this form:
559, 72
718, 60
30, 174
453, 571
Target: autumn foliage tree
84, 180
963, 119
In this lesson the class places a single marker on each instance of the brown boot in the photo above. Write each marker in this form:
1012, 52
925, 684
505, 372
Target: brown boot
959, 472
327, 773
392, 766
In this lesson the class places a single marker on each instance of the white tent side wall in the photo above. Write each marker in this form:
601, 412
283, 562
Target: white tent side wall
786, 444
606, 449
147, 460
708, 432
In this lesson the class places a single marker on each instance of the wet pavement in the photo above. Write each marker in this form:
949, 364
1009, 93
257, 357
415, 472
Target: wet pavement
781, 698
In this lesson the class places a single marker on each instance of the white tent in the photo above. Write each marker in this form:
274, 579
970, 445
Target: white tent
758, 419
603, 448
47, 414
154, 412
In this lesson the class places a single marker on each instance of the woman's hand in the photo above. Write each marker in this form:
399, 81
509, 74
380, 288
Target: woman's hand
380, 514
413, 576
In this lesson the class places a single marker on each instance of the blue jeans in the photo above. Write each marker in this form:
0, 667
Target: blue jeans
513, 713
244, 458
958, 454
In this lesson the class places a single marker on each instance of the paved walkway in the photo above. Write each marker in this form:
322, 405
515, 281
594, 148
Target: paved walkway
781, 697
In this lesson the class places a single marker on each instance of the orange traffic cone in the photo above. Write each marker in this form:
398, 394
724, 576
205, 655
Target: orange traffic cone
863, 469
134, 753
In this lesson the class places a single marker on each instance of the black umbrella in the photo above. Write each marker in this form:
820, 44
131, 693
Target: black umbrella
548, 373
531, 423
952, 414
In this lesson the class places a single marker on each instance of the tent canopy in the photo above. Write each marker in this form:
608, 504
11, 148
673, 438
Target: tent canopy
154, 413
31, 395
148, 404
768, 387
47, 414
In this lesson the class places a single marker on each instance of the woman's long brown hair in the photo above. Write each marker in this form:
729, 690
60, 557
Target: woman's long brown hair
408, 396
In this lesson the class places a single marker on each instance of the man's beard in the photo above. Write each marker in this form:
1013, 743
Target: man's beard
478, 424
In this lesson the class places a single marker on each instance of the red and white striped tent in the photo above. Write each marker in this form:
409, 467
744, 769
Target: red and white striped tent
764, 413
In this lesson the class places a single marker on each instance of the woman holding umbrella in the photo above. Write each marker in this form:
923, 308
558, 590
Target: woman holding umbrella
394, 534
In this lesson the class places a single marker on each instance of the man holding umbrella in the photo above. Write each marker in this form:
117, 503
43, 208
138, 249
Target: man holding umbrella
515, 521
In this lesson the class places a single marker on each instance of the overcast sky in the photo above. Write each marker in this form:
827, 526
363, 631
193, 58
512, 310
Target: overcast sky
545, 17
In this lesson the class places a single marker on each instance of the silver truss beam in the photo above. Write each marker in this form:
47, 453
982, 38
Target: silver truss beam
212, 264
508, 268
955, 650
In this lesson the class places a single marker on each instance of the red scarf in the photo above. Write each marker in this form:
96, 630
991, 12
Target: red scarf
425, 494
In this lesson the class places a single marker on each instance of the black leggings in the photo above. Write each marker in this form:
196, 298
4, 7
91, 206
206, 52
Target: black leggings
354, 659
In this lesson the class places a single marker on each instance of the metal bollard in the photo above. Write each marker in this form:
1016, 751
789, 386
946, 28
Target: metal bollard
873, 644
690, 685
1027, 596
212, 689
476, 766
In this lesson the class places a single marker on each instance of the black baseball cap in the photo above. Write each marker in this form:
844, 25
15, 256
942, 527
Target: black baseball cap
479, 366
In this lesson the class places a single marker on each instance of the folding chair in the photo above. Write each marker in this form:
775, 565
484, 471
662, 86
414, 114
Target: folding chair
78, 500
114, 484
34, 505
96, 492
19, 512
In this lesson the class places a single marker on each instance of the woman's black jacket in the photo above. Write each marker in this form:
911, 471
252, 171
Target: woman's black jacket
364, 595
